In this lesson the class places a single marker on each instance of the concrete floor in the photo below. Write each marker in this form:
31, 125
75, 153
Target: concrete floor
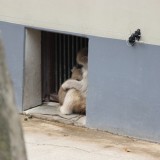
56, 141
51, 111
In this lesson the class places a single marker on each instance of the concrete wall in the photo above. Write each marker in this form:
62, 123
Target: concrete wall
124, 82
13, 37
124, 88
104, 18
32, 69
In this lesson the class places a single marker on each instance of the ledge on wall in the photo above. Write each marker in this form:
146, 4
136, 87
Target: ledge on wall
50, 111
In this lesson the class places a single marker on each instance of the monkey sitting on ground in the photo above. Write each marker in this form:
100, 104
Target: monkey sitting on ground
77, 75
75, 99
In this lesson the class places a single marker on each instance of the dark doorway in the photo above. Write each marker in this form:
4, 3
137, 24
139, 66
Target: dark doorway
58, 58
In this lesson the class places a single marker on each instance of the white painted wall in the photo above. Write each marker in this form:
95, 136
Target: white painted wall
106, 18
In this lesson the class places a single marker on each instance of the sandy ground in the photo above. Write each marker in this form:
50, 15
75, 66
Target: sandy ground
55, 141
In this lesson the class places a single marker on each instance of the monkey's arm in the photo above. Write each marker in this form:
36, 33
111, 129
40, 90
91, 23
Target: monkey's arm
71, 83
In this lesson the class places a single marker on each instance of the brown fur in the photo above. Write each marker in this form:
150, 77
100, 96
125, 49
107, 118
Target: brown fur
75, 99
77, 75
80, 107
82, 57
78, 101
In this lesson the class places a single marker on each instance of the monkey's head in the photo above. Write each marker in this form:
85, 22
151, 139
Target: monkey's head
82, 57
76, 73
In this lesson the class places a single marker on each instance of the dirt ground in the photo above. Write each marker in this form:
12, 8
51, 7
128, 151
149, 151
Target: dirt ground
51, 140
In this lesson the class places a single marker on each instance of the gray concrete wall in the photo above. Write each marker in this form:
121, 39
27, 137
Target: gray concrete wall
124, 88
124, 83
32, 69
13, 37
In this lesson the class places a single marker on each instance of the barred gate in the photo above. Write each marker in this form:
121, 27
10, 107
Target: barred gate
58, 58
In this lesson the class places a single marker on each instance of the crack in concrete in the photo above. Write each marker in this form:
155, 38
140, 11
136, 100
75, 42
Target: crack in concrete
57, 115
59, 146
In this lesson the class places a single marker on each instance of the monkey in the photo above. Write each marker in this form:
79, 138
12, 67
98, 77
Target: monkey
74, 102
82, 59
75, 99
77, 75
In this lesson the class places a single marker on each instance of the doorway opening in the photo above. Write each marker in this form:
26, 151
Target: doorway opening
58, 58
49, 58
